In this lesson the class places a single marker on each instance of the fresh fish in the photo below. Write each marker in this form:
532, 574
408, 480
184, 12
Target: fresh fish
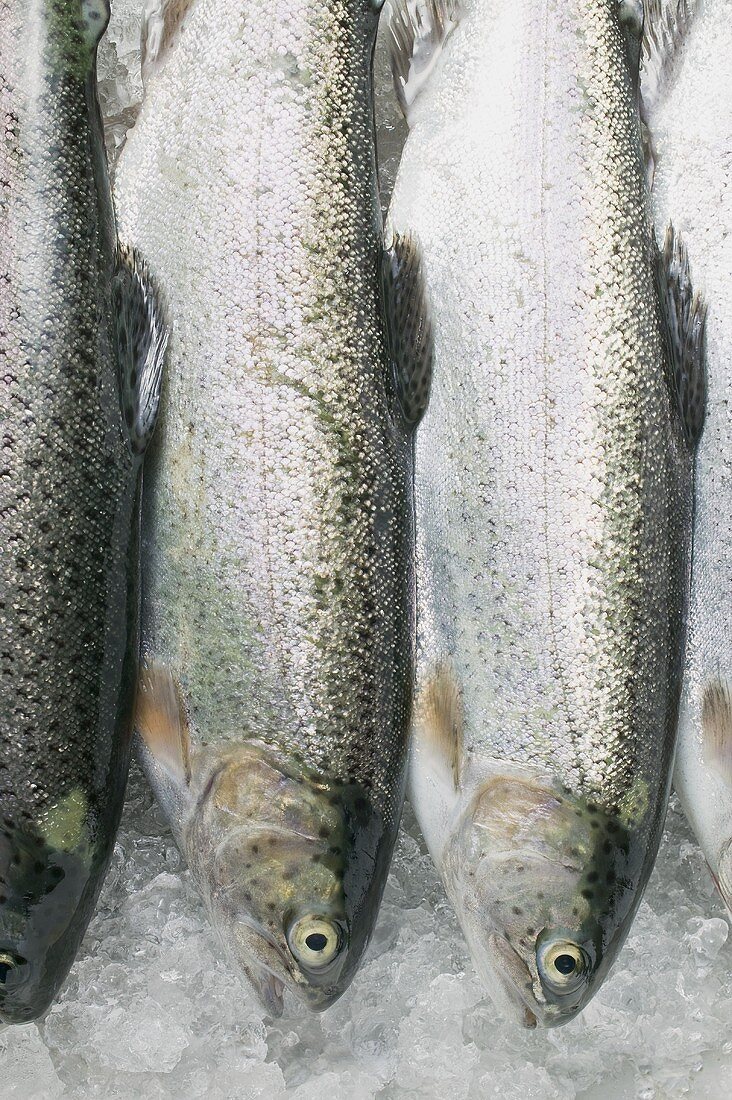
693, 126
278, 542
81, 344
553, 484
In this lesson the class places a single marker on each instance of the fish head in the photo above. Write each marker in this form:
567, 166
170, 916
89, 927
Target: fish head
272, 847
48, 872
538, 878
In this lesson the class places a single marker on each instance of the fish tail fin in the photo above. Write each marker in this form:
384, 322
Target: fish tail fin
684, 315
417, 32
162, 23
141, 339
409, 328
716, 720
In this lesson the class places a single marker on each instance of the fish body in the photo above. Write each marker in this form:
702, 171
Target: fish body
693, 185
277, 539
553, 489
74, 430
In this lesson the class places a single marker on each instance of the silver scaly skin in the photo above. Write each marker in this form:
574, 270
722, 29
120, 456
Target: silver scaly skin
278, 589
693, 184
553, 493
80, 354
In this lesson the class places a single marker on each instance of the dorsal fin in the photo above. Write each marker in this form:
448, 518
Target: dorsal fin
162, 23
417, 32
141, 339
665, 27
440, 717
716, 717
666, 24
162, 723
684, 316
409, 327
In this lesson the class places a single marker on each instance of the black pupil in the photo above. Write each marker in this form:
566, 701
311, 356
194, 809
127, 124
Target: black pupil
5, 968
565, 964
316, 941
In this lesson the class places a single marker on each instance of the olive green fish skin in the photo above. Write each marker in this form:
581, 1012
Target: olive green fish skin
278, 534
69, 502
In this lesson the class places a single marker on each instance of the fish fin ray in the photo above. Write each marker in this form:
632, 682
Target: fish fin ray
716, 719
666, 24
162, 23
417, 31
141, 338
162, 723
441, 719
409, 327
684, 314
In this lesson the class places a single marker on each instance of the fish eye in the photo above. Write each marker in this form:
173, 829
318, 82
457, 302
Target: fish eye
563, 966
315, 942
9, 964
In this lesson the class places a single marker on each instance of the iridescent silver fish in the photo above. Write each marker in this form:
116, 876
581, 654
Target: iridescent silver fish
81, 347
553, 483
278, 534
693, 184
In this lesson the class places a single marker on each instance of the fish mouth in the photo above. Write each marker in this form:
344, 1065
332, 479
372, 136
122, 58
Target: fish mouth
270, 989
516, 981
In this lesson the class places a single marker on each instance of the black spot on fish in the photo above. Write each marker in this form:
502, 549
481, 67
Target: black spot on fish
323, 832
515, 909
587, 894
610, 878
612, 826
255, 849
592, 876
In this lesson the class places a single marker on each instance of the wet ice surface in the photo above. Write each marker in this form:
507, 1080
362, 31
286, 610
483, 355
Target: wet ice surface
151, 1010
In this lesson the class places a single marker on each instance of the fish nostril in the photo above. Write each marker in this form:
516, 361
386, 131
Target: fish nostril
8, 964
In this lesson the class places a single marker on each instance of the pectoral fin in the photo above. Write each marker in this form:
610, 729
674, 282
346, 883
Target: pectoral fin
440, 721
716, 719
162, 723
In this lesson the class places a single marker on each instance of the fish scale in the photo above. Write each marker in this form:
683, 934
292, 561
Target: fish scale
278, 531
552, 486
